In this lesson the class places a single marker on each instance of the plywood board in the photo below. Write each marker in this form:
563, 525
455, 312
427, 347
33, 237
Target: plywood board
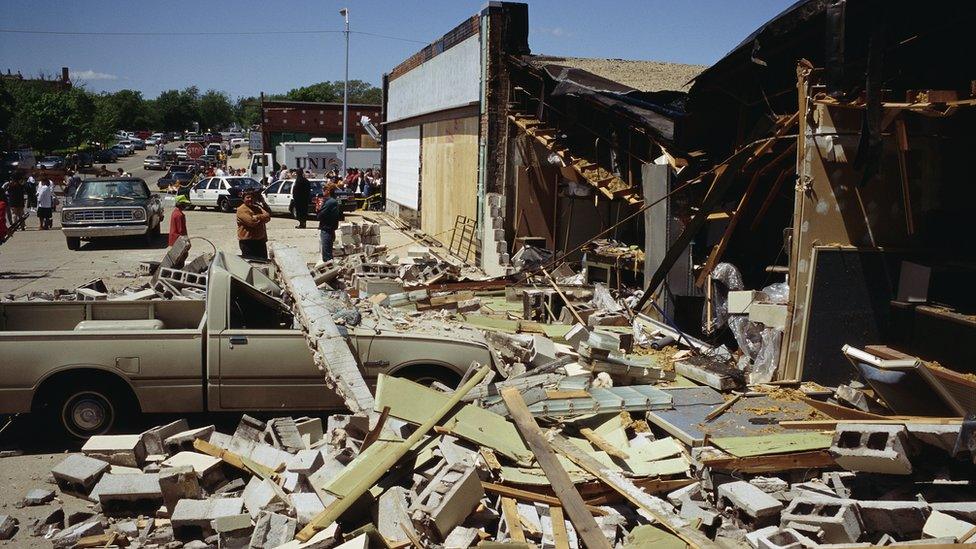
448, 175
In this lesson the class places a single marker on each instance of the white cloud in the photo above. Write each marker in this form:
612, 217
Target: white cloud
558, 32
92, 75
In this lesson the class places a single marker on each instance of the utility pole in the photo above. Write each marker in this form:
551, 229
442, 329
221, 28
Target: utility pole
345, 95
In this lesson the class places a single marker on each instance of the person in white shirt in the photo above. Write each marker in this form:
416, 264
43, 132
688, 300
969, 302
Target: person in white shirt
220, 172
45, 204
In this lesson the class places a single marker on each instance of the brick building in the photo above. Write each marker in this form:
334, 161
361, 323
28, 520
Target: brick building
283, 121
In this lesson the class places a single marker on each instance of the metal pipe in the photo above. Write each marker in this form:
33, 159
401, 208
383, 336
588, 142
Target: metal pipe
345, 94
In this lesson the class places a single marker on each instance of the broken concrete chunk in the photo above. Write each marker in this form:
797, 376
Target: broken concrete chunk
128, 494
184, 440
272, 530
250, 428
233, 531
872, 448
207, 468
38, 496
750, 500
178, 483
392, 514
8, 527
940, 525
839, 521
154, 438
306, 507
124, 450
258, 494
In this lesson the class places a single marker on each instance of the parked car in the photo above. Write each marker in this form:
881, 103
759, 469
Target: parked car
279, 196
181, 153
106, 156
169, 158
238, 142
127, 146
174, 180
120, 151
224, 192
51, 163
213, 138
19, 160
137, 144
85, 159
153, 162
111, 206
212, 149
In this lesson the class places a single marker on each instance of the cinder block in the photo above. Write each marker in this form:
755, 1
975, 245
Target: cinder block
305, 462
87, 294
750, 500
902, 519
740, 301
872, 448
207, 468
191, 519
78, 474
128, 494
839, 521
233, 531
306, 506
772, 315
784, 538
70, 535
257, 495
178, 483
184, 440
941, 525
125, 450
154, 438
272, 530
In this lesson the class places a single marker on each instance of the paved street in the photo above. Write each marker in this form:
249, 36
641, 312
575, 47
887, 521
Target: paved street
35, 260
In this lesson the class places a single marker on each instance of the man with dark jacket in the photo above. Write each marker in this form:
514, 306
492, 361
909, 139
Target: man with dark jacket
301, 193
329, 216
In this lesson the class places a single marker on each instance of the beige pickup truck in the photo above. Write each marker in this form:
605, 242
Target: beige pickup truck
88, 364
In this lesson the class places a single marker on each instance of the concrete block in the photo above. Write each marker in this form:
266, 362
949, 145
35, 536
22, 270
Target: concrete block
257, 495
902, 519
176, 483
691, 512
965, 510
191, 518
576, 334
941, 525
250, 428
750, 500
154, 438
306, 507
305, 462
128, 494
87, 294
207, 468
741, 300
462, 538
38, 496
272, 530
233, 531
311, 428
839, 521
752, 538
941, 436
453, 493
872, 448
392, 515
690, 492
770, 485
78, 474
772, 315
184, 440
784, 538
125, 450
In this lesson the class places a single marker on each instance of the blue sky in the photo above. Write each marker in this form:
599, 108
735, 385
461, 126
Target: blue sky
684, 31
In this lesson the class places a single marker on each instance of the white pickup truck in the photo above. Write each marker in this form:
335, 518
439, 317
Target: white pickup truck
86, 365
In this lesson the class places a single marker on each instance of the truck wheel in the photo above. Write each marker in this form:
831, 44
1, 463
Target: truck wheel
86, 412
224, 205
73, 242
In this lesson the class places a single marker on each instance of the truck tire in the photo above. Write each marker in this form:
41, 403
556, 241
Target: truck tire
73, 242
426, 375
86, 411
224, 205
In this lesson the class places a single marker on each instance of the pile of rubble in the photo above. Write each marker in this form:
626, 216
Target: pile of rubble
356, 238
606, 430
172, 278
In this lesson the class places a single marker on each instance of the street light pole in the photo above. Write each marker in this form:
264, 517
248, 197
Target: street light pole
345, 95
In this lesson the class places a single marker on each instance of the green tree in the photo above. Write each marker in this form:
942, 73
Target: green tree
131, 109
216, 111
331, 92
43, 119
247, 111
6, 112
176, 110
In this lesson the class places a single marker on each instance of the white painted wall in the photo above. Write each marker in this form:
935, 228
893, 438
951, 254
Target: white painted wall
449, 80
403, 166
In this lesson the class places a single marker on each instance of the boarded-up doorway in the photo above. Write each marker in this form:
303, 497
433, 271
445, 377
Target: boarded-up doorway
448, 175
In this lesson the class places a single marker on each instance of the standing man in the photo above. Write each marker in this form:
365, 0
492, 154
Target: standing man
16, 199
329, 216
252, 216
177, 220
45, 204
301, 193
31, 188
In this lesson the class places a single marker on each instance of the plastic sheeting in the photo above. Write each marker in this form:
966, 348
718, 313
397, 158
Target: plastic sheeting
603, 301
730, 279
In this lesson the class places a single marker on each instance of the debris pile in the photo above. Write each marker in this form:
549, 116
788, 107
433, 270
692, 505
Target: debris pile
594, 432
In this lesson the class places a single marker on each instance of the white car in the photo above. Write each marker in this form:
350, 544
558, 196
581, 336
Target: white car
278, 195
181, 153
238, 142
127, 145
222, 192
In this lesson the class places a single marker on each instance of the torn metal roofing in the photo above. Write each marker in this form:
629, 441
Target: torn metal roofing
645, 76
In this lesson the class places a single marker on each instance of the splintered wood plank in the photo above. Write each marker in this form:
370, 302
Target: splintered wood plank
510, 512
330, 349
602, 443
564, 488
560, 536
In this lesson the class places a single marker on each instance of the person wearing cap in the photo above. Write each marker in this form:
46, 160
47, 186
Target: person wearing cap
252, 216
177, 220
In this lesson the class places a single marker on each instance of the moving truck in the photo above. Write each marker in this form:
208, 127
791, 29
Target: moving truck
318, 155
85, 365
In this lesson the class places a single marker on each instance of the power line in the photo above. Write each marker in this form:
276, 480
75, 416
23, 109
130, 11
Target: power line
216, 33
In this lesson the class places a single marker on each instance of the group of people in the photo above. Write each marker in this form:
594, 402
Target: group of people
21, 195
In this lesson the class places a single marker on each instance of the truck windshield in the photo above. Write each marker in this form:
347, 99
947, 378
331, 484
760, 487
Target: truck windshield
101, 190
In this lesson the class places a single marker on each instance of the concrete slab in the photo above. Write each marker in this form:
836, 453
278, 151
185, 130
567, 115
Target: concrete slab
750, 500
125, 450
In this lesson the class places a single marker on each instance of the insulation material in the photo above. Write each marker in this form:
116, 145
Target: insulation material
403, 166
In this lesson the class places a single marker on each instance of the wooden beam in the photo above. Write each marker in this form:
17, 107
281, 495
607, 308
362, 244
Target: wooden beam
602, 443
512, 519
765, 464
532, 497
560, 536
654, 506
330, 349
571, 500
